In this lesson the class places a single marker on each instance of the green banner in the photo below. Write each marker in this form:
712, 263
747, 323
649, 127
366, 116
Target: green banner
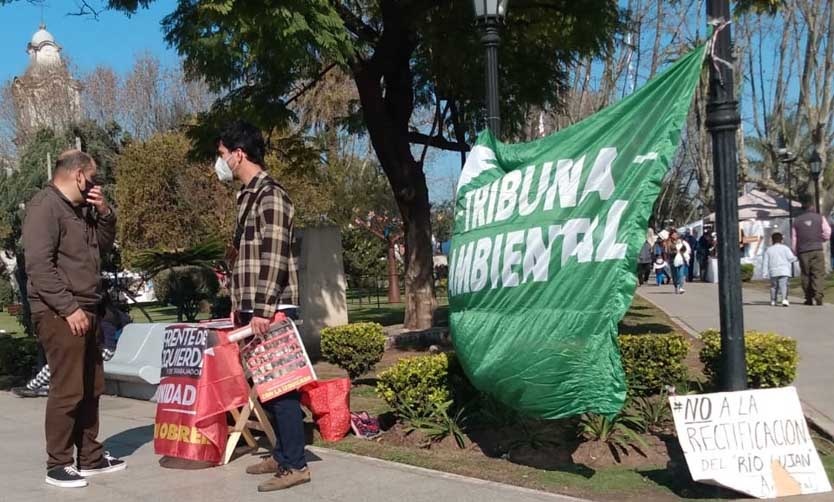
544, 252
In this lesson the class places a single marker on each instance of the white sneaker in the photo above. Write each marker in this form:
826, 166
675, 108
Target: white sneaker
786, 303
772, 304
681, 291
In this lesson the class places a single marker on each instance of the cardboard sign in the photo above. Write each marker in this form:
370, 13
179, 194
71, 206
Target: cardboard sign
755, 442
201, 379
277, 361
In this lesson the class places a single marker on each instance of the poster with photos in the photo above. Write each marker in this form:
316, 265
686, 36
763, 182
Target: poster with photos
277, 361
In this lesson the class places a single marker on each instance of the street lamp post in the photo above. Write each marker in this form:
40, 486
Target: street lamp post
723, 121
815, 163
490, 14
788, 158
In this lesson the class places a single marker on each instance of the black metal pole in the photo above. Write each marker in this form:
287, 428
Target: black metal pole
817, 193
491, 41
723, 121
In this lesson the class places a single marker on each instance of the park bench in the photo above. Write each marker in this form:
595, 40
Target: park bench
134, 370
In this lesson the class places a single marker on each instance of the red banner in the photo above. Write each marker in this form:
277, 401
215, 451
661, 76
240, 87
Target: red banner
201, 379
277, 360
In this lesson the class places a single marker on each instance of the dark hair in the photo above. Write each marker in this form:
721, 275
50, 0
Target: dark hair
776, 237
70, 160
247, 137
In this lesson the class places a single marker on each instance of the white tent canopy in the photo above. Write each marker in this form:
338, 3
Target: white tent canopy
758, 205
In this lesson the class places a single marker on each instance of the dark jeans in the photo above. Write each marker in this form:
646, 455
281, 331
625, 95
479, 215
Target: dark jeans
690, 274
644, 270
77, 382
288, 421
704, 264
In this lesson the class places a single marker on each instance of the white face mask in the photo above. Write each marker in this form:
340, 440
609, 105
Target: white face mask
224, 172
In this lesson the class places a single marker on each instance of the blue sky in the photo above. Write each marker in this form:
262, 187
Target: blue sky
112, 40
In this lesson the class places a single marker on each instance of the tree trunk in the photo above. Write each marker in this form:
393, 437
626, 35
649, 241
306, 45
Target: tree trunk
386, 92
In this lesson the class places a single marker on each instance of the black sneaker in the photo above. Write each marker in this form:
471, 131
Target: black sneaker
27, 392
65, 477
105, 465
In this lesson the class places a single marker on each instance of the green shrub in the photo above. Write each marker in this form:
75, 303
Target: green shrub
652, 361
771, 359
185, 288
355, 348
17, 355
747, 272
416, 387
6, 292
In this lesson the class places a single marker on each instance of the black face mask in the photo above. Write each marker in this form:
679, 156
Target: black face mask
88, 186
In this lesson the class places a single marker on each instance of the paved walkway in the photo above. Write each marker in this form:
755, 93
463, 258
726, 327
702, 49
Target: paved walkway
127, 427
812, 327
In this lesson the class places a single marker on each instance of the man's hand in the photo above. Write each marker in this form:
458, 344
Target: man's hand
96, 199
259, 325
78, 322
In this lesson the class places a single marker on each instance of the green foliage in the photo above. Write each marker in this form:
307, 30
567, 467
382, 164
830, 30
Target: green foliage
443, 220
355, 348
167, 201
416, 386
6, 292
494, 413
185, 287
653, 361
747, 272
771, 359
363, 256
654, 412
441, 424
619, 431
17, 355
205, 255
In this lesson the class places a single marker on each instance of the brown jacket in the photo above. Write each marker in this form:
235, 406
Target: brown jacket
63, 245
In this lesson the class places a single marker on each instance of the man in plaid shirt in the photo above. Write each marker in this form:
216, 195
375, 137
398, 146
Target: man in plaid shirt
264, 274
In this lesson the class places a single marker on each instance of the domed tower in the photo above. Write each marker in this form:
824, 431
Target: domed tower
46, 95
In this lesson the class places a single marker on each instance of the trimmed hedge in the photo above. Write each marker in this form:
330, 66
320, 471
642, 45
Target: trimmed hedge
17, 355
355, 348
747, 270
651, 361
416, 387
771, 358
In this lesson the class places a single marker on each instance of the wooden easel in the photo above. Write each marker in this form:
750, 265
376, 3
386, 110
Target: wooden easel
243, 426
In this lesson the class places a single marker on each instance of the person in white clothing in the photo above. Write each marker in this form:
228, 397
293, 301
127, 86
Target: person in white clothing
778, 265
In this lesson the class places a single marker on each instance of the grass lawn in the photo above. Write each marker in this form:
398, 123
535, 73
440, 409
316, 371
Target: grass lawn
389, 314
9, 324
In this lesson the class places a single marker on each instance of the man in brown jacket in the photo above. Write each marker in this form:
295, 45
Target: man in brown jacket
68, 226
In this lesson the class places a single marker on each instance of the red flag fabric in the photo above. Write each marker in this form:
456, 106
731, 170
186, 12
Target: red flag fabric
202, 379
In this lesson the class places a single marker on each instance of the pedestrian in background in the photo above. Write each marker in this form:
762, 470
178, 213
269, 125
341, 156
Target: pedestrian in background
809, 233
777, 264
644, 259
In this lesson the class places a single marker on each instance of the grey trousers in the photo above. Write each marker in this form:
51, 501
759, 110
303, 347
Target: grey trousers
779, 288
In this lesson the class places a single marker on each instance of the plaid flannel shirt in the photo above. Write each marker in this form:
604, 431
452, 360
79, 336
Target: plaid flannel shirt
265, 272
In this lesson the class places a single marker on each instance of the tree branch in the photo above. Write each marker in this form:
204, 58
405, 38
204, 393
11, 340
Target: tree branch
355, 24
437, 141
310, 85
